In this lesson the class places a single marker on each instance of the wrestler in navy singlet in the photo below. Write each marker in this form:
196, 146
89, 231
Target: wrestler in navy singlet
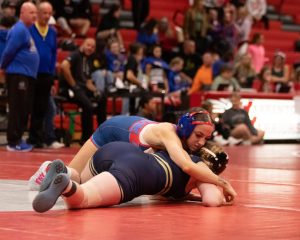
139, 173
120, 128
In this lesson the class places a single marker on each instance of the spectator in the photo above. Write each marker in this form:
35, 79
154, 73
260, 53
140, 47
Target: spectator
147, 107
109, 25
244, 71
147, 35
133, 76
204, 76
263, 82
133, 72
256, 50
155, 69
219, 61
169, 38
258, 9
103, 78
176, 81
73, 15
9, 8
76, 80
280, 73
195, 25
192, 60
225, 81
244, 24
221, 135
20, 60
140, 12
115, 59
214, 32
44, 37
230, 32
240, 124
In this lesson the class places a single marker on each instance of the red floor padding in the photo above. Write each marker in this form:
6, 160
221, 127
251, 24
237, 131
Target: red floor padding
267, 179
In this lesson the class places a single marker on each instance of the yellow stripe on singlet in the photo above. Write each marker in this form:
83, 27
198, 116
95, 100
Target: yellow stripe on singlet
169, 174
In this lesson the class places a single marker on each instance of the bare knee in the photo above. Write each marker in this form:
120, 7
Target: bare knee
241, 131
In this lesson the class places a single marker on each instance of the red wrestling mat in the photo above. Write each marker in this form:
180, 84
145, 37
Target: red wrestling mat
267, 179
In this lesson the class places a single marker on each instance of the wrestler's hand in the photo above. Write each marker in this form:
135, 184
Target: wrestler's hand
228, 191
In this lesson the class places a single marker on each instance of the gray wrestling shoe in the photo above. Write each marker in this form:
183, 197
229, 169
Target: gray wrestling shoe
45, 200
56, 167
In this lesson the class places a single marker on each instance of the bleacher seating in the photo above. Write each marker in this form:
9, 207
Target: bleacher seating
275, 37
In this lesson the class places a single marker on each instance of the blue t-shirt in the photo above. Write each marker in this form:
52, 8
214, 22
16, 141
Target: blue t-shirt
115, 63
20, 55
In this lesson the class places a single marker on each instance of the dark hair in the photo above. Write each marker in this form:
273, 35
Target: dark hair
149, 26
152, 49
8, 21
7, 3
262, 72
256, 37
113, 9
145, 99
135, 47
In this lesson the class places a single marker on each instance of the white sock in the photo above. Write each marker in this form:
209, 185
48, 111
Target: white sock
69, 171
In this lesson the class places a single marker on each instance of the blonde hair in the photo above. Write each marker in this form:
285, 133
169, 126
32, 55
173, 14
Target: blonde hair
176, 60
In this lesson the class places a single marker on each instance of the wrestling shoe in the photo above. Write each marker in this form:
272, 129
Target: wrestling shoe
56, 167
45, 200
36, 179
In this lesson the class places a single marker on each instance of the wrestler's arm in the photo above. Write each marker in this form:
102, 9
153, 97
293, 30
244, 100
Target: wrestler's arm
164, 135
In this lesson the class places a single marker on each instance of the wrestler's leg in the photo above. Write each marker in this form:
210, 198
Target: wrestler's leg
211, 195
87, 174
81, 159
101, 190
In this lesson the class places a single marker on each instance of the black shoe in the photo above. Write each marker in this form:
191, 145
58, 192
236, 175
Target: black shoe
56, 167
45, 200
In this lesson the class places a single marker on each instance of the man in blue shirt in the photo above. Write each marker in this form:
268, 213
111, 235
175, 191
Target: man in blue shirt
44, 37
20, 62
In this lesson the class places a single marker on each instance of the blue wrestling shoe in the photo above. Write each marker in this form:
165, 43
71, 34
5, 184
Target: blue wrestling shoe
56, 167
45, 200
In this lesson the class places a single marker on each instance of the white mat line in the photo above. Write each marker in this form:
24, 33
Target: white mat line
270, 207
268, 183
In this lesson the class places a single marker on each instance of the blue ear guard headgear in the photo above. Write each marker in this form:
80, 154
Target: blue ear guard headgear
188, 122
